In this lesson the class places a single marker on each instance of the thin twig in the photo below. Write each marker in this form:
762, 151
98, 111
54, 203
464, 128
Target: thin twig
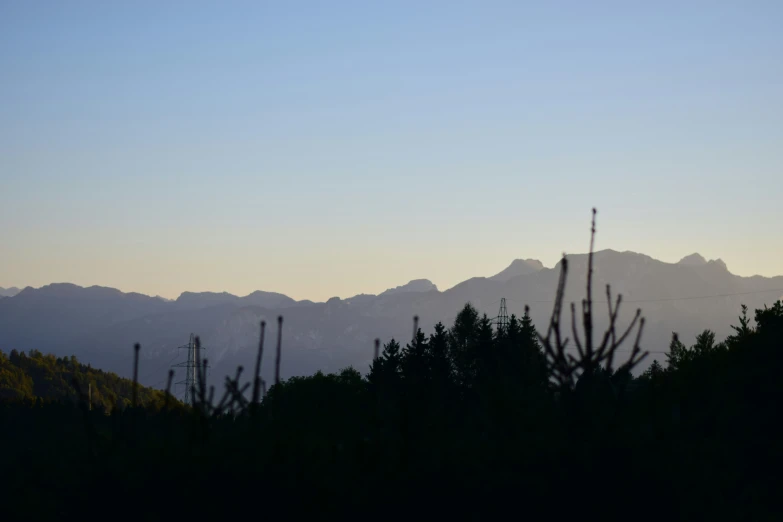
588, 302
136, 348
257, 379
279, 348
576, 335
168, 390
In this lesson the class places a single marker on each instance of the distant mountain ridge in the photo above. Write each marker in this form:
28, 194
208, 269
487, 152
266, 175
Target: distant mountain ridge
99, 325
274, 299
518, 267
694, 259
698, 260
416, 285
257, 298
9, 292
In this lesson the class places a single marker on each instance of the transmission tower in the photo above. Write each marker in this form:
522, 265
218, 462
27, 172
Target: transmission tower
501, 321
191, 368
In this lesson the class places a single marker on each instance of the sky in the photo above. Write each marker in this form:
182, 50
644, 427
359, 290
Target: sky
326, 149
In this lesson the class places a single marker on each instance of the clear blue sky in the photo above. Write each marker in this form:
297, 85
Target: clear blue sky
333, 148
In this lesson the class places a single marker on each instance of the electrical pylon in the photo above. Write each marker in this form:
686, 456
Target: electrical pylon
191, 368
501, 321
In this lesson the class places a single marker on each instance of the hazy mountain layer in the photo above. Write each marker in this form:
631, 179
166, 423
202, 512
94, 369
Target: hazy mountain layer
99, 325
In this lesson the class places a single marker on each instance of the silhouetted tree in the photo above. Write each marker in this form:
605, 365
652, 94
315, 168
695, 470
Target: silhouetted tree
440, 360
386, 371
462, 341
415, 360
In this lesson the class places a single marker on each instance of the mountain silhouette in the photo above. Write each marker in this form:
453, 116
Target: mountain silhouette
194, 300
9, 292
99, 325
694, 259
416, 285
518, 267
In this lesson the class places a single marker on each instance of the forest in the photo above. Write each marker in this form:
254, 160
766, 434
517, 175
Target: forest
471, 420
35, 378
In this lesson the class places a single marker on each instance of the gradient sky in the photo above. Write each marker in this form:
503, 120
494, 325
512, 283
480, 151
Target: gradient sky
332, 148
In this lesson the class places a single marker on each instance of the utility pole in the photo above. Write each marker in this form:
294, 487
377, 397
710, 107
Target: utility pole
89, 396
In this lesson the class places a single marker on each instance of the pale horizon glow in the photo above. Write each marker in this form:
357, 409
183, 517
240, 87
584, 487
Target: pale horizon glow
331, 151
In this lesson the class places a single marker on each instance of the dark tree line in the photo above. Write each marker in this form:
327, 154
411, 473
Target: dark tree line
469, 414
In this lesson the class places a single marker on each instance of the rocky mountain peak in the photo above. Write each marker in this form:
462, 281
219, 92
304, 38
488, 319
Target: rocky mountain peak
415, 285
519, 267
694, 259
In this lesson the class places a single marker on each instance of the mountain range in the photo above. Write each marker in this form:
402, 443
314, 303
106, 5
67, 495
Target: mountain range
100, 325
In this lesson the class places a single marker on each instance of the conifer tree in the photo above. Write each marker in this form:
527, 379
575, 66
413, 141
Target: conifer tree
414, 360
386, 370
440, 361
462, 339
